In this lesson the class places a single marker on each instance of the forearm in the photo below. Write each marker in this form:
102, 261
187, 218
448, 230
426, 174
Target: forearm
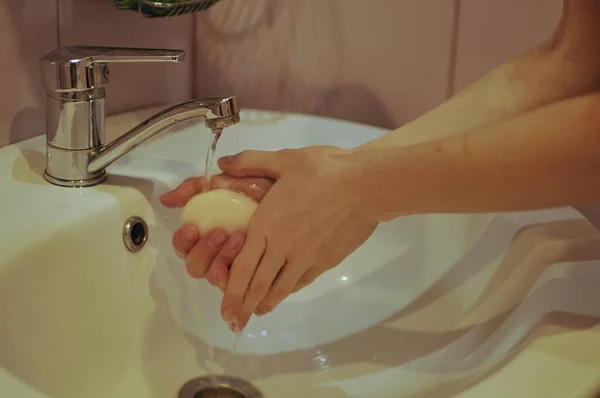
549, 157
567, 65
536, 79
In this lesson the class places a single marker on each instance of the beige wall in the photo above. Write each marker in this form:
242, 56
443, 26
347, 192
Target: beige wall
383, 64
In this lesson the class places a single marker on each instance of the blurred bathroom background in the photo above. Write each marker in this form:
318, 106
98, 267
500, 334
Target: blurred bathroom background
381, 62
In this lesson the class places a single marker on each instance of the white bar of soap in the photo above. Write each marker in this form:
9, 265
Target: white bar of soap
219, 208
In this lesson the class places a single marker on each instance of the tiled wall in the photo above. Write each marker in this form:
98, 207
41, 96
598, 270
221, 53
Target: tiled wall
379, 64
493, 31
382, 62
30, 28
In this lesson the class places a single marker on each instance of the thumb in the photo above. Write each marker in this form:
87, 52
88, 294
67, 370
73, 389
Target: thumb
254, 164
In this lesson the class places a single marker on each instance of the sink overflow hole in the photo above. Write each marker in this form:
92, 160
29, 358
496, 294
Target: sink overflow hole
218, 387
135, 234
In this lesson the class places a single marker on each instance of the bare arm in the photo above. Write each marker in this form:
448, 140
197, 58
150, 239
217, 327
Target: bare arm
548, 157
565, 66
524, 136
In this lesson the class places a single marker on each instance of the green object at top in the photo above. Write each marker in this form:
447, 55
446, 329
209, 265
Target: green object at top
165, 8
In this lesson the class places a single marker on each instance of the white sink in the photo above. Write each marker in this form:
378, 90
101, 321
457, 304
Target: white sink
431, 305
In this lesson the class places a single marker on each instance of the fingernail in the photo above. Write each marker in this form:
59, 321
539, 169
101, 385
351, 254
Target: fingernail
226, 159
212, 281
260, 312
229, 315
215, 271
220, 278
217, 240
235, 241
234, 326
190, 235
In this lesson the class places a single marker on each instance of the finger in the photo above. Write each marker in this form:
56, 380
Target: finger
211, 277
283, 286
221, 275
268, 268
184, 239
204, 252
252, 163
183, 193
255, 188
240, 323
240, 274
225, 258
309, 277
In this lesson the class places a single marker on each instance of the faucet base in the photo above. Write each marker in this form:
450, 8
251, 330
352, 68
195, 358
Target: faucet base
72, 161
75, 183
69, 168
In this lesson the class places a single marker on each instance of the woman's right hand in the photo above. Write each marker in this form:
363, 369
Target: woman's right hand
211, 256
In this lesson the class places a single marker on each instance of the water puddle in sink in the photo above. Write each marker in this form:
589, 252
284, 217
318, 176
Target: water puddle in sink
210, 156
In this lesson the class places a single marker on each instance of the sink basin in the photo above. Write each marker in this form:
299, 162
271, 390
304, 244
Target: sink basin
441, 305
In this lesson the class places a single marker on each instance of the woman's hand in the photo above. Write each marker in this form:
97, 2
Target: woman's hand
309, 222
211, 256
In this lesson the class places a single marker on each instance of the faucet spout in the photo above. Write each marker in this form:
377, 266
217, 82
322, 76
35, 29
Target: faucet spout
75, 79
218, 113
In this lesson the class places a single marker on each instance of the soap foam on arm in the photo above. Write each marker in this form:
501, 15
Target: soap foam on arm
219, 209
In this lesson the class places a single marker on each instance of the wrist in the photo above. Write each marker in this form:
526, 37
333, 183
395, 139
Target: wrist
368, 179
393, 182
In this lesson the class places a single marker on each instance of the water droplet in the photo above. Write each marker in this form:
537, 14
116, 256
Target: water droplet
320, 362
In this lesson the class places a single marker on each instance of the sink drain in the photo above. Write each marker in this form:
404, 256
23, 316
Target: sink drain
218, 387
218, 392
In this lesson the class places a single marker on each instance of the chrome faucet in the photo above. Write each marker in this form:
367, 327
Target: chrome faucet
74, 79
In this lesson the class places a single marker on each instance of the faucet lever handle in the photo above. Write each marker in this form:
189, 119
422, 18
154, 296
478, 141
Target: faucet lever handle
92, 54
81, 68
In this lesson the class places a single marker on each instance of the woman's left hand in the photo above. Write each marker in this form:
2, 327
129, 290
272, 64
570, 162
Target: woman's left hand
309, 222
